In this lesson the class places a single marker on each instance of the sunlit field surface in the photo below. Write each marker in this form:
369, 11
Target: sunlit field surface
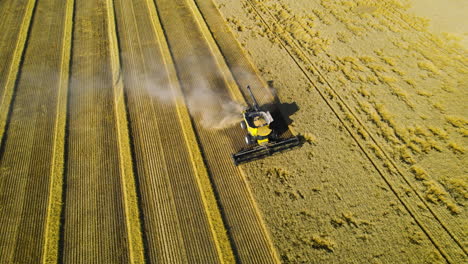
118, 120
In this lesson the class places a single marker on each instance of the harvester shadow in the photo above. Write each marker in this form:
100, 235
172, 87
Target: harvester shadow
281, 113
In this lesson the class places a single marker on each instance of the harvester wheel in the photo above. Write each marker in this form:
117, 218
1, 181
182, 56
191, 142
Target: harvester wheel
273, 135
249, 139
243, 125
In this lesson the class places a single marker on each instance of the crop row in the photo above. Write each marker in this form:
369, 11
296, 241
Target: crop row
177, 220
34, 95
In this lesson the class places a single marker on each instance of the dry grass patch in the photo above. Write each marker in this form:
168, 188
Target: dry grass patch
456, 148
457, 121
322, 242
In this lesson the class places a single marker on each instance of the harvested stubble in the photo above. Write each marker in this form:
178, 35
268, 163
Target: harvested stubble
388, 69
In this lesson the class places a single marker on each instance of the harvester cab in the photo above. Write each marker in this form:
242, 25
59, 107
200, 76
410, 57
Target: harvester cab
257, 123
261, 138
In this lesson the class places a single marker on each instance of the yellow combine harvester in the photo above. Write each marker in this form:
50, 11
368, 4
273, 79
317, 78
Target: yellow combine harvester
261, 137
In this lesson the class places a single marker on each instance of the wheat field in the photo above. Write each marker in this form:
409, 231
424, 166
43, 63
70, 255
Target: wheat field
118, 120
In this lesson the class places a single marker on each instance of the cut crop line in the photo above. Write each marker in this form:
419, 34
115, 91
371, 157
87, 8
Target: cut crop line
360, 145
238, 96
130, 200
13, 70
54, 210
215, 220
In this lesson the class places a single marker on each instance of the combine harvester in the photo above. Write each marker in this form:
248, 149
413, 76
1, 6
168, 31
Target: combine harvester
262, 138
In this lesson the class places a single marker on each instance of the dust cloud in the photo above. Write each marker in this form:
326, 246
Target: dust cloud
213, 109
216, 111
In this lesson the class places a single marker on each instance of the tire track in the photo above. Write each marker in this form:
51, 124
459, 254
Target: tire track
417, 216
190, 48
